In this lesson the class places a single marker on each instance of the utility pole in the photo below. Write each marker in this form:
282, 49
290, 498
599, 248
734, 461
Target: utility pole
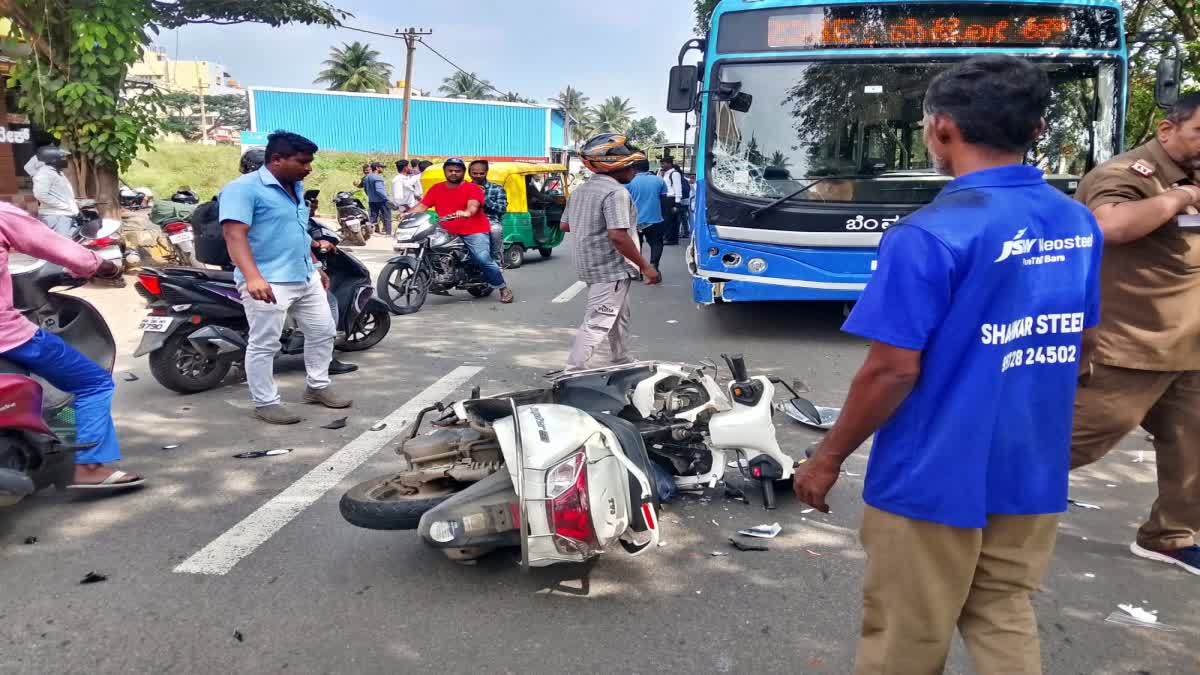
411, 37
203, 115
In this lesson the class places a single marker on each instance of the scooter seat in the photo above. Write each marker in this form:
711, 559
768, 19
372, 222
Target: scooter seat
219, 276
635, 449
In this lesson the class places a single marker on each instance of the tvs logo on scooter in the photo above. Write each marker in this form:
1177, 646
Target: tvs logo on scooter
7, 406
541, 424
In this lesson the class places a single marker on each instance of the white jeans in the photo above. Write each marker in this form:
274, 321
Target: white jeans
309, 305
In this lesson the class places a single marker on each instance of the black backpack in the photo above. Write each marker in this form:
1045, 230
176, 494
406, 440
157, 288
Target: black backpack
684, 186
210, 240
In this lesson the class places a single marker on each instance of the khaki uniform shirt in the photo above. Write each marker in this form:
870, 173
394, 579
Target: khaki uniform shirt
1150, 288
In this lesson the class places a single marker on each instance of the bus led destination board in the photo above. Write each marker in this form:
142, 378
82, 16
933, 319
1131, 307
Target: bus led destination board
908, 25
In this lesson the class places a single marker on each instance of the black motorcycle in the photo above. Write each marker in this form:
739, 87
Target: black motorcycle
433, 261
37, 421
197, 328
353, 219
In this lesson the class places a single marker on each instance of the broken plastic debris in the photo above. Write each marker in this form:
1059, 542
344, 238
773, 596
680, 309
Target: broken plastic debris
672, 321
1141, 457
237, 635
747, 546
662, 544
762, 531
805, 412
812, 552
715, 523
171, 446
1083, 505
1126, 620
29, 541
809, 510
1138, 613
717, 554
1089, 575
379, 426
336, 424
93, 578
129, 377
253, 454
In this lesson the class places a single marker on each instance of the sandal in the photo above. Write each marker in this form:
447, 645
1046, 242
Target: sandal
112, 482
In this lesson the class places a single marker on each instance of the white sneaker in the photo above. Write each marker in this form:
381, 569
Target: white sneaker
1187, 558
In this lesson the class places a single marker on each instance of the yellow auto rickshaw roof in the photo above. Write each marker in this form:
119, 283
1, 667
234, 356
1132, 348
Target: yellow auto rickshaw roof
509, 174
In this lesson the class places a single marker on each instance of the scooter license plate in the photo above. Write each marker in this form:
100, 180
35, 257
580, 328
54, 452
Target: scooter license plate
181, 237
155, 324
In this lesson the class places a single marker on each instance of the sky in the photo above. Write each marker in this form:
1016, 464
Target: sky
603, 48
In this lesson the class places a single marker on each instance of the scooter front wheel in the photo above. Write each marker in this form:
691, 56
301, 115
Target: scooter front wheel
370, 327
402, 288
380, 504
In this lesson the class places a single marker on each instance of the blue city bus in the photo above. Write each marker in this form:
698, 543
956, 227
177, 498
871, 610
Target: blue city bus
809, 126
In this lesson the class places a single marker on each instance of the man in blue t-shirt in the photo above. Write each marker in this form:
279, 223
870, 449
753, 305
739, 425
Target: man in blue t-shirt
976, 314
647, 190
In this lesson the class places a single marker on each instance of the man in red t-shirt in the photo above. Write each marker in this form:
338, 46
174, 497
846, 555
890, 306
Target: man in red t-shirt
459, 206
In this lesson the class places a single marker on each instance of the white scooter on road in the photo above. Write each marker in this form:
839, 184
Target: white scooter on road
567, 471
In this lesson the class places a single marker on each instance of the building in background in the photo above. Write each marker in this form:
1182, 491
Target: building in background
208, 77
398, 89
439, 127
17, 136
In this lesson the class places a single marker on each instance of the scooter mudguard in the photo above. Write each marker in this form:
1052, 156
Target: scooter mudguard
216, 340
153, 341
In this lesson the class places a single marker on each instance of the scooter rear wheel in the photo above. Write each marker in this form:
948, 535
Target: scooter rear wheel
178, 366
379, 504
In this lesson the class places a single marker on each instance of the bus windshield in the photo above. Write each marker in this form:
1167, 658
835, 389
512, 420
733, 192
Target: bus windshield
857, 126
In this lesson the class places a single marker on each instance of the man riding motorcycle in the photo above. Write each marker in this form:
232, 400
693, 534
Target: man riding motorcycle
49, 357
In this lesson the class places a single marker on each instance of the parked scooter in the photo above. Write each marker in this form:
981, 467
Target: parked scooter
352, 219
197, 328
103, 235
174, 218
432, 261
566, 471
37, 421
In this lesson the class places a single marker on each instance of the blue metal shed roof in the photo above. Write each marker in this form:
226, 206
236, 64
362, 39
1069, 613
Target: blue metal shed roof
438, 127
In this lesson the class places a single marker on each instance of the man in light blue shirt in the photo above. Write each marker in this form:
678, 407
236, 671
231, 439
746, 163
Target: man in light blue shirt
265, 222
647, 191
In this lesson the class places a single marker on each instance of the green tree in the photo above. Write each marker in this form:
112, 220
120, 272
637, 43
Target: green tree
466, 85
704, 10
646, 132
355, 67
574, 103
1180, 18
615, 114
183, 113
74, 83
780, 160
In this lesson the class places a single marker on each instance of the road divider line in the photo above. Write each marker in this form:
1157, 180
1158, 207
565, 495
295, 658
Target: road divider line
570, 293
239, 541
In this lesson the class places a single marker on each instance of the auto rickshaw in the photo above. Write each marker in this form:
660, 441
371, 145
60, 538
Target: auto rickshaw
537, 197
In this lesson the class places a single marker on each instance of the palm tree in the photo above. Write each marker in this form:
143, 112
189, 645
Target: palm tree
514, 97
466, 85
778, 159
614, 115
355, 67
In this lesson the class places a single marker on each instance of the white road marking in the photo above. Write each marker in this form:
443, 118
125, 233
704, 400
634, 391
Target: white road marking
571, 292
239, 541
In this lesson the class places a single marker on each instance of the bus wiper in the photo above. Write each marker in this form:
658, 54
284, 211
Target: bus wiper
802, 189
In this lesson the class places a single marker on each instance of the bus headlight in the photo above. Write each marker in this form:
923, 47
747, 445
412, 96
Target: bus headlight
757, 265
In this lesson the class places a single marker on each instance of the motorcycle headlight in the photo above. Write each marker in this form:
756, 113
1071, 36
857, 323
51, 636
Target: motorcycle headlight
405, 234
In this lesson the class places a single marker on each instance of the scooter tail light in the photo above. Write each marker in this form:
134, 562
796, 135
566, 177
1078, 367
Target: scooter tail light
567, 508
150, 283
178, 226
103, 242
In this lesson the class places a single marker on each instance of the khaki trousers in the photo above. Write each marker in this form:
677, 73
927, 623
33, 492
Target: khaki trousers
1112, 402
925, 578
606, 316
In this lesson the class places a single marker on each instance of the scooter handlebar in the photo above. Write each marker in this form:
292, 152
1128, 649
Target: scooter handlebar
737, 366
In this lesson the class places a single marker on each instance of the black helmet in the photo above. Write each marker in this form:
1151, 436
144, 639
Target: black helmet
54, 156
610, 152
253, 159
185, 196
455, 161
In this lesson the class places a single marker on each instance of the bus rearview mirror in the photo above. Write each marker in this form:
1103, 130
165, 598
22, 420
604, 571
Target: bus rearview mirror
1166, 85
681, 94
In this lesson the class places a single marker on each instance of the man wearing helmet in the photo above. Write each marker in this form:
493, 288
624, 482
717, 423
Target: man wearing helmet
54, 193
602, 216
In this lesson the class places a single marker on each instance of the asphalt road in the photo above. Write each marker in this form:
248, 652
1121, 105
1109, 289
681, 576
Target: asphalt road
306, 592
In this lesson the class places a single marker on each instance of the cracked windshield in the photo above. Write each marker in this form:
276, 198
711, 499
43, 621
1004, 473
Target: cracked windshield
857, 127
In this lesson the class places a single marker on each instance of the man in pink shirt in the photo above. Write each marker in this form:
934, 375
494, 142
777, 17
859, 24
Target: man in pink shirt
46, 355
